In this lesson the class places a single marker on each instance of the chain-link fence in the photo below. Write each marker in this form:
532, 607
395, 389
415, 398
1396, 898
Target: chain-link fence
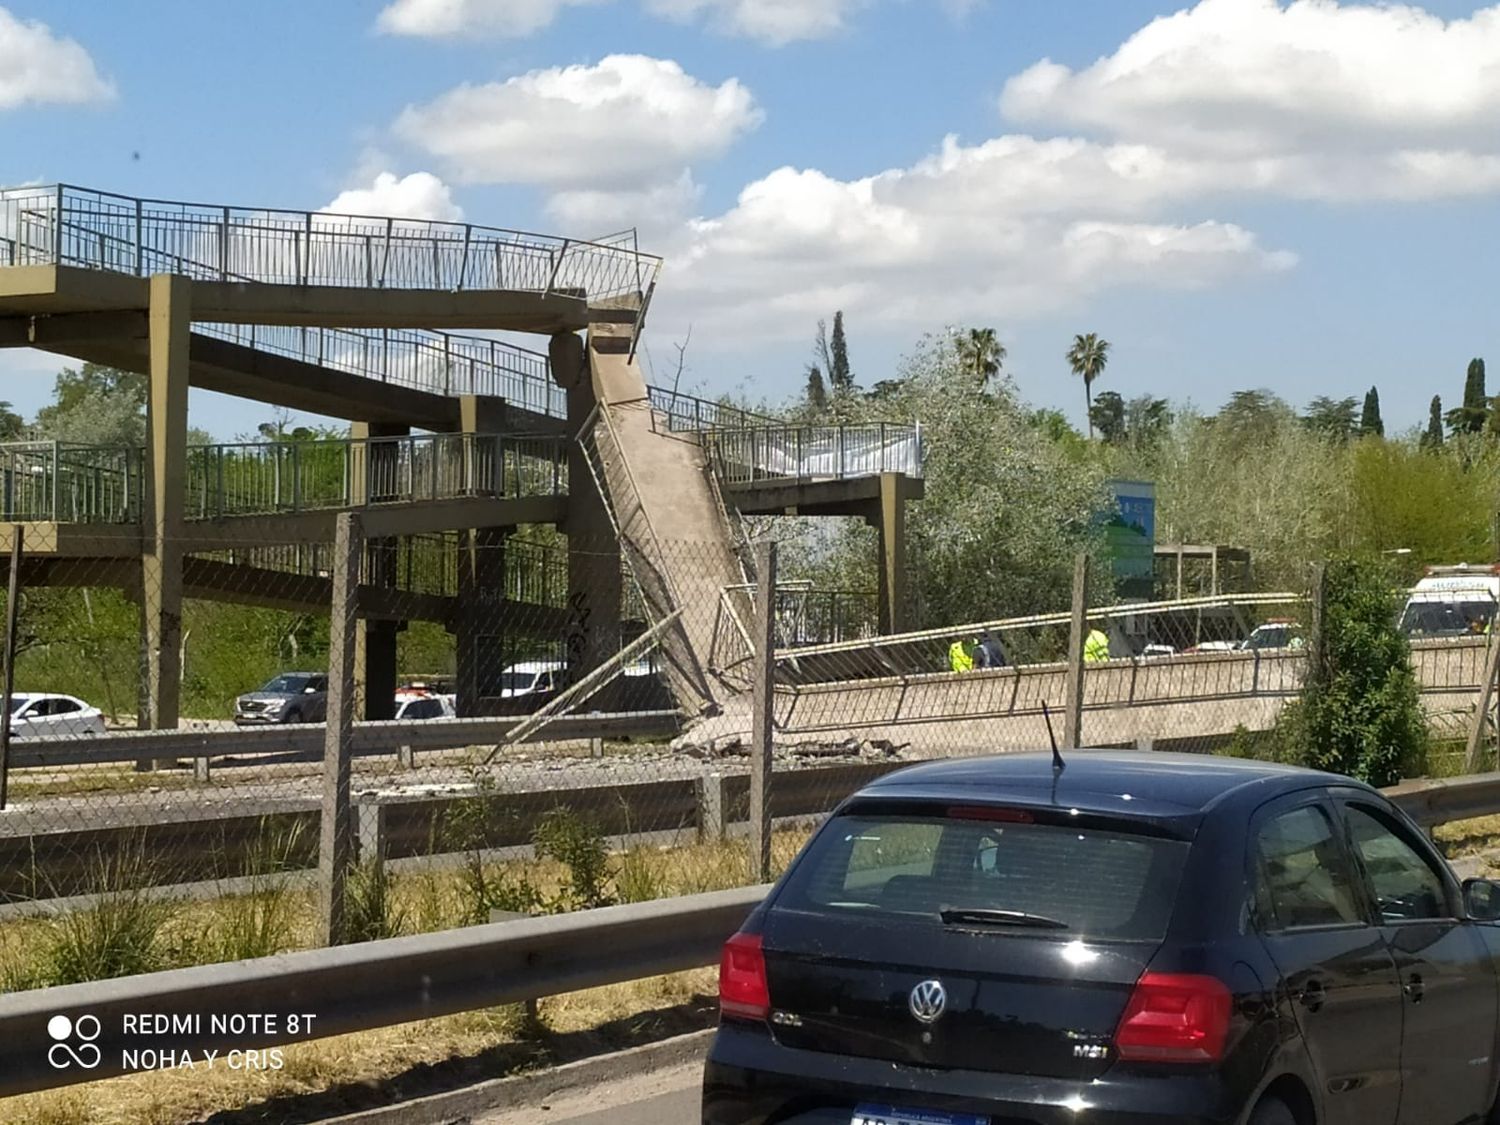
519, 721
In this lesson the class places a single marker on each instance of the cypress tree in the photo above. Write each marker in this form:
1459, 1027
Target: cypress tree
838, 370
1369, 419
1432, 437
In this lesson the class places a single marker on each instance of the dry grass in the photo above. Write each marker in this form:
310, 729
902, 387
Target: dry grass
352, 1071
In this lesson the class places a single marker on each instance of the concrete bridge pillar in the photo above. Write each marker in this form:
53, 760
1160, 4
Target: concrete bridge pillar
374, 471
481, 638
889, 520
169, 327
595, 586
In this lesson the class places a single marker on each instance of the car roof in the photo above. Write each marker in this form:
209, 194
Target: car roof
1117, 782
535, 666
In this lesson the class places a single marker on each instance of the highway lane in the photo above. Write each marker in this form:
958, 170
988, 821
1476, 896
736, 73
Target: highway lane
663, 1097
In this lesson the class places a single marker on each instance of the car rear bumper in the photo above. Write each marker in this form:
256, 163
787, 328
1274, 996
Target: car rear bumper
752, 1080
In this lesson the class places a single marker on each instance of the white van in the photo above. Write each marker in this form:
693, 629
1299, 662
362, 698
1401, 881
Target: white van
1452, 601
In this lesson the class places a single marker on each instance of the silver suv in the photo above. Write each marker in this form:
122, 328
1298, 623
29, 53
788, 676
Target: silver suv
292, 697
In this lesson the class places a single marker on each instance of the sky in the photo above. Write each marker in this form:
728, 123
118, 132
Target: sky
1235, 193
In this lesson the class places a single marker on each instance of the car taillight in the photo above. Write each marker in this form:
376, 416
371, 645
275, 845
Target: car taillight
1175, 1018
743, 992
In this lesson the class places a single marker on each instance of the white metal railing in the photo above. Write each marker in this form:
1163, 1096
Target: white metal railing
441, 363
65, 225
815, 452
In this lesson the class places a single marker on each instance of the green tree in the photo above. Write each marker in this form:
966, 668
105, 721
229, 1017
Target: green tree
12, 425
816, 395
1088, 357
1147, 420
1432, 437
838, 357
1360, 711
95, 405
1335, 419
981, 353
1370, 424
1472, 415
1107, 418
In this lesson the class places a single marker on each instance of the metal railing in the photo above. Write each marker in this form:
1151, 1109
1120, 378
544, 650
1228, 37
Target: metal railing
69, 483
789, 452
66, 225
690, 414
254, 478
440, 363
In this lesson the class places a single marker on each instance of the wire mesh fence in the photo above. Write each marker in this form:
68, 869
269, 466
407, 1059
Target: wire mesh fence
510, 710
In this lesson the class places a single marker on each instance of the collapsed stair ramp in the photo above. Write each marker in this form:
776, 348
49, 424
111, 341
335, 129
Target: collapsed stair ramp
677, 536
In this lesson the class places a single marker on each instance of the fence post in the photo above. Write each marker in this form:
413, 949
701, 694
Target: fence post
13, 597
710, 787
761, 714
335, 846
1077, 631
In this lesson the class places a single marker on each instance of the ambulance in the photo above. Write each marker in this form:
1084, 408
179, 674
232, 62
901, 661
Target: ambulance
1452, 601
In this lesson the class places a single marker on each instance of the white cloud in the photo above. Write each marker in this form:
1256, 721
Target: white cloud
449, 18
1314, 99
420, 195
773, 22
655, 212
37, 66
628, 123
1011, 228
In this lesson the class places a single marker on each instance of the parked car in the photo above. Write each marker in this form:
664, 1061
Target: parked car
1138, 937
1274, 634
39, 715
1452, 601
292, 697
532, 678
423, 705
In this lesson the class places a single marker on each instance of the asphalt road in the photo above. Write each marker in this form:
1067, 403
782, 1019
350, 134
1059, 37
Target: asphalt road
663, 1097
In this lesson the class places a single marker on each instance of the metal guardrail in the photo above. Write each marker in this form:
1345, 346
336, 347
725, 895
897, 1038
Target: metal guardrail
377, 984
399, 980
66, 225
306, 739
790, 452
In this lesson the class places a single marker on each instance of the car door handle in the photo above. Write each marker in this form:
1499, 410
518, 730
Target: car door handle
1414, 988
1312, 995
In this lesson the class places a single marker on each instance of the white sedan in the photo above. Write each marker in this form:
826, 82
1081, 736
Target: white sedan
35, 715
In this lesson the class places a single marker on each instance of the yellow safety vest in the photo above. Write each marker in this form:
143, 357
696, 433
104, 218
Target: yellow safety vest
1095, 647
960, 657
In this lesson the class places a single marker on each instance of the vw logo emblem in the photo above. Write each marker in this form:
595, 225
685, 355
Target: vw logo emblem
928, 1001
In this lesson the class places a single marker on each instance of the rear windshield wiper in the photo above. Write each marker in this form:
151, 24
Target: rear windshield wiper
988, 916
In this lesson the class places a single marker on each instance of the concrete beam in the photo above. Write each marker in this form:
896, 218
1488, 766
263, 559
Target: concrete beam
420, 517
890, 524
58, 329
851, 497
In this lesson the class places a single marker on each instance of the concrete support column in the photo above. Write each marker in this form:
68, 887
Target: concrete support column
170, 323
595, 587
484, 649
374, 470
889, 520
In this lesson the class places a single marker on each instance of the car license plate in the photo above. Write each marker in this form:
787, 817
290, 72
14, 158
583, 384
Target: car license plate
906, 1115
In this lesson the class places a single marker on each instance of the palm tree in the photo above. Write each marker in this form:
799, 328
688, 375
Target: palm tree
981, 354
1088, 357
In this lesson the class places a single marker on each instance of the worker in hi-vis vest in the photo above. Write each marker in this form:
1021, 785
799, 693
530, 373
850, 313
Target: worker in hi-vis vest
1095, 646
961, 655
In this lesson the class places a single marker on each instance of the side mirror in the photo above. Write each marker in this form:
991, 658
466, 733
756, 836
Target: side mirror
1482, 900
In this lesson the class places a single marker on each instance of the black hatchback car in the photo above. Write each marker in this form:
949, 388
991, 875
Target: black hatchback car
1138, 938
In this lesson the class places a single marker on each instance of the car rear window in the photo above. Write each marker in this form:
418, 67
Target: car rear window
1102, 884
